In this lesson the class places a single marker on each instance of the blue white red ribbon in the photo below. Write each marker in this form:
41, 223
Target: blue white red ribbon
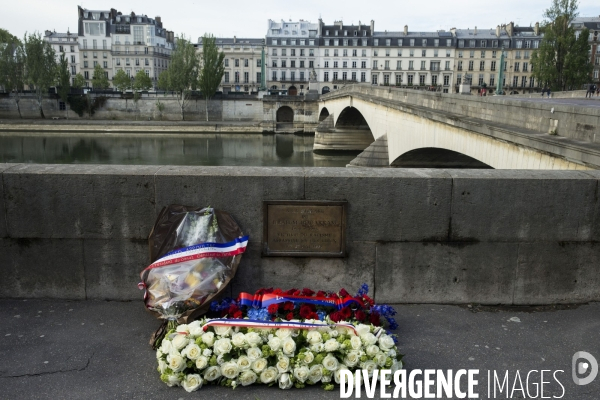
267, 299
251, 323
204, 250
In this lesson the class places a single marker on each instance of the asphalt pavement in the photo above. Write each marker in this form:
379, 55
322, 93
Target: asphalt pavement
52, 349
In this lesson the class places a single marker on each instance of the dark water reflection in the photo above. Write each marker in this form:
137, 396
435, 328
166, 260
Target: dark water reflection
255, 149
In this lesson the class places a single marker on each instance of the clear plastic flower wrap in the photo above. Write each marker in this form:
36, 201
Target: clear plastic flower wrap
194, 255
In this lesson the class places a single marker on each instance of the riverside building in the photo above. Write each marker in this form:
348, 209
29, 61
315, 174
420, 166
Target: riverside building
593, 24
67, 44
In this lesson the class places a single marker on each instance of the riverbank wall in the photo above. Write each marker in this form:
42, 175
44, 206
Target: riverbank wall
415, 236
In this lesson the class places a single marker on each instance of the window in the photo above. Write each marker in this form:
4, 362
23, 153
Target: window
363, 76
447, 66
434, 79
424, 42
301, 75
237, 62
481, 65
448, 42
274, 65
354, 76
388, 42
363, 64
283, 64
422, 65
411, 53
95, 55
86, 74
386, 79
422, 79
274, 52
274, 77
517, 54
344, 76
353, 64
483, 54
526, 54
470, 65
535, 44
387, 64
471, 54
311, 64
423, 53
399, 42
461, 43
447, 53
85, 43
326, 64
493, 66
345, 53
515, 81
471, 43
492, 80
494, 43
483, 43
364, 53
72, 59
460, 54
72, 49
435, 53
398, 79
374, 79
259, 62
525, 66
104, 55
412, 42
227, 62
494, 54
517, 67
293, 64
411, 65
527, 44
410, 79
293, 52
374, 64
259, 77
460, 66
326, 76
523, 81
61, 49
301, 64
311, 52
246, 77
335, 64
387, 52
399, 64
345, 64
73, 70
246, 62
436, 42
85, 64
480, 79
375, 53
446, 80
376, 42
105, 64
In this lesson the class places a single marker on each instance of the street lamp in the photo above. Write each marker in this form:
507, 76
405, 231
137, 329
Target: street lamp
500, 74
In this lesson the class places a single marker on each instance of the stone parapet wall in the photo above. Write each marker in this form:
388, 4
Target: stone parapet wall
415, 236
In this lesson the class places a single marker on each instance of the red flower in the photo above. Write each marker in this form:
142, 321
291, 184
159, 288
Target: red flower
291, 291
305, 311
290, 316
269, 290
288, 306
238, 314
321, 293
307, 292
314, 315
273, 308
369, 300
374, 319
277, 291
345, 312
360, 315
335, 317
344, 293
232, 309
297, 293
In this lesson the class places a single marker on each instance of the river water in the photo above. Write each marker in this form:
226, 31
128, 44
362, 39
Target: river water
247, 149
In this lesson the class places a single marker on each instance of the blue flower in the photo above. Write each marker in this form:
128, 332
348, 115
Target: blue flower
364, 289
259, 314
321, 315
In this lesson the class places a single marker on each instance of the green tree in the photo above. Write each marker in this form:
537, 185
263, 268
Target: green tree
79, 81
12, 67
142, 81
121, 81
99, 79
6, 37
558, 61
40, 66
63, 78
163, 81
212, 69
182, 74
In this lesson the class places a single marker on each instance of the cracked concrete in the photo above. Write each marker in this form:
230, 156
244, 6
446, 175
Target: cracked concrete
57, 349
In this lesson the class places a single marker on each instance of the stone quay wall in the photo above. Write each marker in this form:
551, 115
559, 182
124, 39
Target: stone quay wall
415, 236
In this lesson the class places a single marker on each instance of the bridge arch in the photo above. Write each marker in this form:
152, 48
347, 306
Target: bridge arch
435, 157
285, 114
323, 114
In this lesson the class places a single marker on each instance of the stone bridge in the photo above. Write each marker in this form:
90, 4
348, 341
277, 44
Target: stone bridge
412, 128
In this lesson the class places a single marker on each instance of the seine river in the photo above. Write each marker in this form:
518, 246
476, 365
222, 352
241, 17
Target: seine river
253, 149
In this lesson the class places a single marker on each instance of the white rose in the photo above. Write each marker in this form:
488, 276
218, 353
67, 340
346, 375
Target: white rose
220, 359
380, 359
207, 352
192, 382
244, 363
176, 362
259, 365
230, 369
254, 353
238, 339
301, 373
159, 354
201, 363
208, 338
326, 378
283, 364
196, 331
222, 346
330, 363
370, 366
180, 341
247, 378
162, 366
223, 330
274, 343
212, 373
192, 351
371, 350
396, 366
317, 347
336, 374
355, 342
288, 346
183, 328
166, 346
253, 339
269, 375
314, 337
352, 358
331, 345
194, 325
285, 382
392, 353
308, 357
173, 380
368, 339
386, 342
315, 373
361, 329
283, 333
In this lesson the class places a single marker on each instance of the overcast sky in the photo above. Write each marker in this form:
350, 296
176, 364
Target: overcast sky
249, 18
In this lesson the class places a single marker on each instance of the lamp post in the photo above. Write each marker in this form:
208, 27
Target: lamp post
500, 74
263, 85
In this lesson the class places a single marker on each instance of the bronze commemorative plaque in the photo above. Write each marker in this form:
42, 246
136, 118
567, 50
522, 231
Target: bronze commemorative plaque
299, 228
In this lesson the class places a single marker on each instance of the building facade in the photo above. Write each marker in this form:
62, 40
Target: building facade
67, 44
593, 24
122, 42
243, 64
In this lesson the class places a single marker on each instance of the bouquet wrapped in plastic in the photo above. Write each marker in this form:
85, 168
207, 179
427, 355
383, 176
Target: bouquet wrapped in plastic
194, 253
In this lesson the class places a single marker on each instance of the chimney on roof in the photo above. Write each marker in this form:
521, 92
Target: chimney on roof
510, 28
536, 28
497, 30
372, 27
405, 30
475, 32
158, 21
48, 33
234, 39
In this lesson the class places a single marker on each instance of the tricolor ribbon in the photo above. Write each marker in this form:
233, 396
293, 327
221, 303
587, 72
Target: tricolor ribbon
267, 299
204, 250
252, 323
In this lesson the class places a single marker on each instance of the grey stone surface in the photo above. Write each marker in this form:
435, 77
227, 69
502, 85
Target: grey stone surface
67, 201
42, 268
239, 191
549, 273
113, 267
387, 204
445, 272
3, 229
332, 274
503, 205
596, 220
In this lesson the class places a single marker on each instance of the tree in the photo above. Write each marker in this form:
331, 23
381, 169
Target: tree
141, 81
63, 78
99, 79
182, 73
79, 81
121, 81
12, 64
40, 66
6, 37
163, 81
558, 61
212, 69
